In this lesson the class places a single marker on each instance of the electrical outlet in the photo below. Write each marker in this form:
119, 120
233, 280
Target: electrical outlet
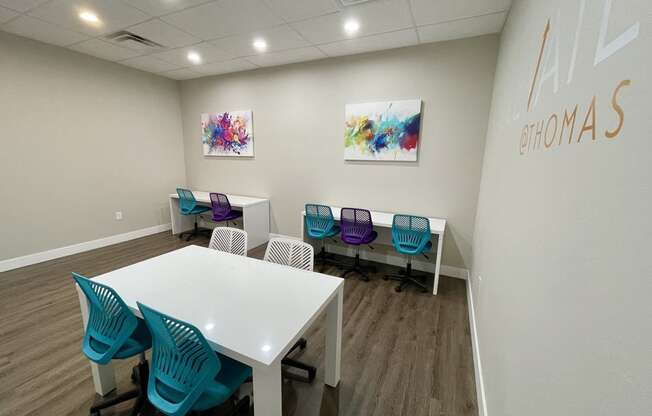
118, 215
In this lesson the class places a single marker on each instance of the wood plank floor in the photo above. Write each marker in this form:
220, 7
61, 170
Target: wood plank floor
403, 353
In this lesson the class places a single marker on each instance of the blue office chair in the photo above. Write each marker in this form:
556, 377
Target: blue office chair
114, 332
188, 206
410, 236
320, 225
187, 375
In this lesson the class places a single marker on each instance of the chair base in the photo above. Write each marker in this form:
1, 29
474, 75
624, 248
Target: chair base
358, 268
195, 232
289, 362
406, 277
139, 393
324, 258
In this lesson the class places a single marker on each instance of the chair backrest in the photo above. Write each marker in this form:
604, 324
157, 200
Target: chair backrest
110, 321
220, 204
356, 224
187, 201
319, 219
294, 253
183, 364
230, 240
410, 233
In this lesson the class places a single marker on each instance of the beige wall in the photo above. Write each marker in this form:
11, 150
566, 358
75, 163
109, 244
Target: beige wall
298, 114
81, 138
563, 233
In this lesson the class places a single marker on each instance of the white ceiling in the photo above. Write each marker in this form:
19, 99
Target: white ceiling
222, 31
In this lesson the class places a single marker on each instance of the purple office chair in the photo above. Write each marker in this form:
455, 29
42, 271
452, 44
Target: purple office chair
357, 229
222, 210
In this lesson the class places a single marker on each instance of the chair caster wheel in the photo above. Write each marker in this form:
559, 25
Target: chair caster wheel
398, 289
180, 236
303, 343
385, 278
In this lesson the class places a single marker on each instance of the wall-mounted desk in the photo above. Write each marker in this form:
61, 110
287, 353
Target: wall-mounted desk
255, 215
384, 220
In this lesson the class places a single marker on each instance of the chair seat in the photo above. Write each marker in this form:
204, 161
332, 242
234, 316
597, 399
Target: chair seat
140, 341
231, 215
199, 209
359, 240
231, 376
411, 249
332, 232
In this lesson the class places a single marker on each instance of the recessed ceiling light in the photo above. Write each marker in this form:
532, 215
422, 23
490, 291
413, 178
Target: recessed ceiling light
194, 57
260, 45
351, 27
89, 17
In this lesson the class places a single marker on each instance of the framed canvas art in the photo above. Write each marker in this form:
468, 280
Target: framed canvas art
228, 134
384, 131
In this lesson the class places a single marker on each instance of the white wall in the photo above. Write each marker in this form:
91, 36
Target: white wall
298, 113
563, 231
81, 138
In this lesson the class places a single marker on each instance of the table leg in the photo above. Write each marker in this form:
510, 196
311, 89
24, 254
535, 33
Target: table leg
103, 375
180, 223
255, 221
334, 339
440, 244
268, 396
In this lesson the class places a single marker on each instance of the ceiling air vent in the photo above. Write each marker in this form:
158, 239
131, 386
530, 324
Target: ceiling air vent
133, 41
347, 3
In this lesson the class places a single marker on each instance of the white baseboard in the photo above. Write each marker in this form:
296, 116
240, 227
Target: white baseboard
477, 362
29, 259
390, 258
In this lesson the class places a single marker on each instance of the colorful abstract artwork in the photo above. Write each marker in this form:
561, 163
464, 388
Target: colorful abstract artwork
382, 131
227, 134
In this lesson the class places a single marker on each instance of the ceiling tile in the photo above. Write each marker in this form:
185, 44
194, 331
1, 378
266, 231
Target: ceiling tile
104, 50
6, 14
435, 11
287, 57
371, 43
147, 63
375, 17
226, 67
293, 10
179, 74
224, 18
21, 5
43, 31
164, 34
114, 15
160, 7
208, 53
464, 28
278, 38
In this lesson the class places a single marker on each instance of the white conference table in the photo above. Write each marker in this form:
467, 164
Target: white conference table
250, 310
385, 219
255, 215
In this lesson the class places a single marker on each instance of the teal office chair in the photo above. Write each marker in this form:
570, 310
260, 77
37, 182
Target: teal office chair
114, 332
187, 375
410, 236
320, 225
188, 206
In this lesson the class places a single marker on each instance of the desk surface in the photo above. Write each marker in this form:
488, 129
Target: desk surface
384, 219
248, 309
238, 201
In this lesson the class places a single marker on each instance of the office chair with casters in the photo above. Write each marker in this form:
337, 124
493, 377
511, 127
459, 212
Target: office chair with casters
186, 374
114, 333
188, 206
320, 225
357, 229
410, 236
230, 240
222, 210
300, 255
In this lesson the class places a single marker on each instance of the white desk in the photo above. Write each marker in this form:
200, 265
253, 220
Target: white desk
385, 219
250, 310
255, 215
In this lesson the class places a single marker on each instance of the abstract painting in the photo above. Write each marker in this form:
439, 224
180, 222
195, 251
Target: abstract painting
227, 134
382, 131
